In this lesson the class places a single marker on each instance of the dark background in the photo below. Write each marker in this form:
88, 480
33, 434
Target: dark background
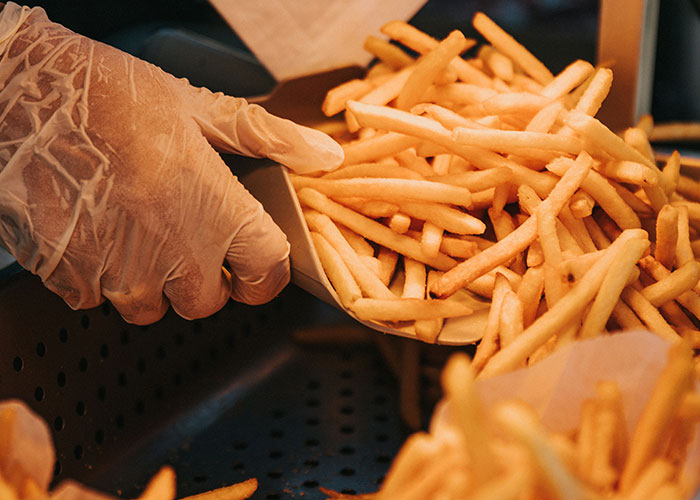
557, 29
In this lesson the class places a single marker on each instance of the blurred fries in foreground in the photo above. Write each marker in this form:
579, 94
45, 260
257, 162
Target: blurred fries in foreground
27, 464
503, 449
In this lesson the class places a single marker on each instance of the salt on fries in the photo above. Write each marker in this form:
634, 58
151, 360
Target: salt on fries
504, 450
479, 165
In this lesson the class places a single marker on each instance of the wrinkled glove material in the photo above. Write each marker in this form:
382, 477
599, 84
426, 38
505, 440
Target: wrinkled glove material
110, 186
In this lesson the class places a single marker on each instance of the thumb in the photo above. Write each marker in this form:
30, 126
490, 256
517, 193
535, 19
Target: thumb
232, 124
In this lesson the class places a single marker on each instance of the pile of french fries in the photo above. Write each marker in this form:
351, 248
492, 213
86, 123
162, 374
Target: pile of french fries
26, 466
488, 177
503, 451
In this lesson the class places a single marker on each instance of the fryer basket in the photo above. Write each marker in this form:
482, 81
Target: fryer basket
220, 399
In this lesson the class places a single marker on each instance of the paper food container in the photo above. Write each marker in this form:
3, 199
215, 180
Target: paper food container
300, 100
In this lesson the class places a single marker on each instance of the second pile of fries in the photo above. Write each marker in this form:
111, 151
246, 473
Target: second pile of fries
487, 176
505, 450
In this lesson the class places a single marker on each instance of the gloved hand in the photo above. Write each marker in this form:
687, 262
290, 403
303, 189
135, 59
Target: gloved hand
110, 187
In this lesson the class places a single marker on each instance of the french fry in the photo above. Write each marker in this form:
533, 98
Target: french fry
649, 314
442, 147
399, 223
442, 97
683, 251
407, 309
604, 194
373, 170
612, 442
499, 65
581, 204
379, 146
651, 428
441, 164
336, 97
374, 209
478, 180
426, 129
431, 239
452, 246
638, 139
656, 474
545, 118
596, 92
444, 216
585, 438
489, 339
611, 288
428, 330
675, 131
530, 292
511, 321
336, 270
630, 172
371, 230
514, 103
690, 300
516, 241
547, 234
577, 229
646, 123
406, 189
386, 91
670, 175
422, 43
238, 491
357, 242
387, 264
567, 308
22, 442
673, 285
635, 201
458, 385
519, 421
409, 159
508, 46
595, 131
505, 141
368, 282
484, 285
509, 487
414, 280
625, 317
161, 486
688, 188
416, 450
570, 77
428, 67
387, 52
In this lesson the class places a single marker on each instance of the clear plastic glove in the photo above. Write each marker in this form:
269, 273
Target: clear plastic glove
110, 187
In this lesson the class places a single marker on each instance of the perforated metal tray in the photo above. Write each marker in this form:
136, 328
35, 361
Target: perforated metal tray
220, 399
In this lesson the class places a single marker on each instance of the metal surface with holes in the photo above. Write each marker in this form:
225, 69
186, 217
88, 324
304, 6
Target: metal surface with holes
310, 418
221, 399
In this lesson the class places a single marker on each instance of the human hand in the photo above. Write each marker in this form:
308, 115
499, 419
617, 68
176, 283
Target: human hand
110, 187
